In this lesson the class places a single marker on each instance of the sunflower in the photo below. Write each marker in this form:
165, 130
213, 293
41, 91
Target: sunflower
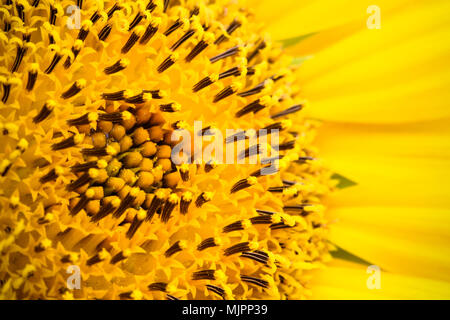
337, 163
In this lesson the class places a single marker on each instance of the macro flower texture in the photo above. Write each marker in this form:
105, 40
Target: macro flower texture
327, 125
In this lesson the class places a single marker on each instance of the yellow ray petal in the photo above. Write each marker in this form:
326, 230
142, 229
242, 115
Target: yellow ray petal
344, 280
385, 75
412, 241
290, 18
392, 164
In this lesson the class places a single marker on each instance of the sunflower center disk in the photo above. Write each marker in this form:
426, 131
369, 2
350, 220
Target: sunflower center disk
91, 111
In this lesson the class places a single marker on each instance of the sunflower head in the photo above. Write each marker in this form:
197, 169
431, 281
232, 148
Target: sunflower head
88, 121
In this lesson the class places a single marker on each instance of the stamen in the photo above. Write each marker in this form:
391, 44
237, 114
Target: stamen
244, 183
183, 39
207, 274
20, 11
80, 4
7, 26
268, 170
287, 111
134, 37
228, 53
166, 5
139, 16
82, 180
137, 222
227, 91
120, 256
44, 244
203, 198
217, 290
256, 281
253, 54
84, 119
6, 90
131, 295
127, 202
178, 23
46, 110
207, 243
304, 159
99, 152
106, 209
114, 96
212, 164
236, 226
280, 225
156, 203
113, 9
169, 205
286, 146
82, 202
258, 256
236, 137
104, 33
176, 247
156, 94
67, 143
19, 56
260, 87
150, 31
99, 257
185, 202
170, 107
208, 38
233, 72
240, 247
168, 62
76, 48
299, 208
52, 16
85, 166
170, 297
84, 31
35, 3
56, 58
265, 212
158, 286
207, 81
50, 176
263, 219
231, 28
256, 106
95, 16
74, 89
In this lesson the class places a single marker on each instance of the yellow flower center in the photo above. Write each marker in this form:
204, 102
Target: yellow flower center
88, 121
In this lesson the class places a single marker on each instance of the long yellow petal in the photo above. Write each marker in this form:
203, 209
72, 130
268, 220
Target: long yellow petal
401, 165
291, 18
406, 240
398, 73
344, 280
